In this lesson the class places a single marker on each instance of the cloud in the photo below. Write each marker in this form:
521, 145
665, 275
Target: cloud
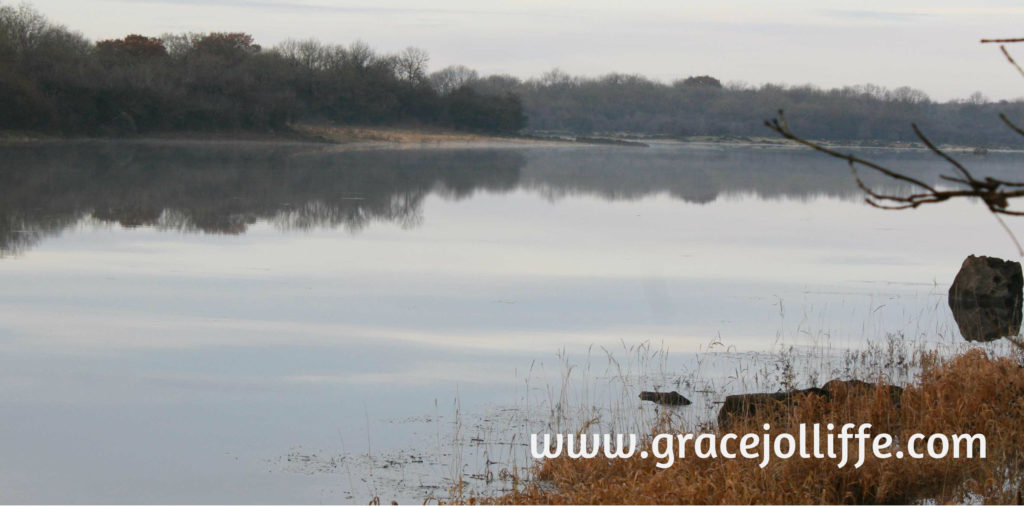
315, 7
886, 16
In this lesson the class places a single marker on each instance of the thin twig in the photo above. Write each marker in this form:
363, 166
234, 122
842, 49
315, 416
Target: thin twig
779, 125
1010, 124
1009, 232
936, 150
1011, 60
1013, 340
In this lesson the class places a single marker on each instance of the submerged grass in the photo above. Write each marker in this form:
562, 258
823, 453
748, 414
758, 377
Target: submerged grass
950, 386
969, 392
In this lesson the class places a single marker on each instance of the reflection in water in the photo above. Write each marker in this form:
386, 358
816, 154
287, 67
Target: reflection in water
219, 354
986, 298
225, 187
986, 322
704, 174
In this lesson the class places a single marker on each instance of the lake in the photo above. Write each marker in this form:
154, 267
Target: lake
295, 323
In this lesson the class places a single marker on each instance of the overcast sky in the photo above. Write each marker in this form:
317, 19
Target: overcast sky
929, 45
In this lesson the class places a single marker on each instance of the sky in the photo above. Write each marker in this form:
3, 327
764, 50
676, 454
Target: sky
929, 45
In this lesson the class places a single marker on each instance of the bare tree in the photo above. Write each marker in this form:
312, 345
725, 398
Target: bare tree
411, 65
962, 183
309, 53
452, 78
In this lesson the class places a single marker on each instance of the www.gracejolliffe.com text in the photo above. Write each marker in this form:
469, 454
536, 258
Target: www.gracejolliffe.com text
809, 442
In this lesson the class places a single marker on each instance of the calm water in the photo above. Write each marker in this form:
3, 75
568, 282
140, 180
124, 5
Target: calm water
284, 323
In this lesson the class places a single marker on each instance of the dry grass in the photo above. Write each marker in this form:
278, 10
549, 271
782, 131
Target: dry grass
398, 135
969, 393
12, 136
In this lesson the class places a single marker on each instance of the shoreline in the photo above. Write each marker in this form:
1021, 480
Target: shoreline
407, 137
340, 136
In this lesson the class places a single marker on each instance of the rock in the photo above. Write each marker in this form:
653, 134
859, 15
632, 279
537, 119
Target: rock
745, 406
986, 298
668, 398
839, 389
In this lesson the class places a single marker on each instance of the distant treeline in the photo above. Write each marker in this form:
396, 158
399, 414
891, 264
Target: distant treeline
55, 80
703, 106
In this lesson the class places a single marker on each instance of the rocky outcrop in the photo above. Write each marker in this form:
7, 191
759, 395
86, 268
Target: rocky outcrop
986, 298
765, 405
666, 398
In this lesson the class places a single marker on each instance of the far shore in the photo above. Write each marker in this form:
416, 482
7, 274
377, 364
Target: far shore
415, 137
334, 135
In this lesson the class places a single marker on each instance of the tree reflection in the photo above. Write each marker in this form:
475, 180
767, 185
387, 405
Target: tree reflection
224, 188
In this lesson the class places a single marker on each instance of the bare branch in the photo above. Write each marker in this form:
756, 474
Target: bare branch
1009, 232
779, 125
937, 151
1011, 60
1010, 124
995, 193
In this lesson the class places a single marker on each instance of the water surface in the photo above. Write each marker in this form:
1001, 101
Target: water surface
241, 322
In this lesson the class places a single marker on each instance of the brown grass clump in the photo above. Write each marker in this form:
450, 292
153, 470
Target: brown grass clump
968, 394
398, 135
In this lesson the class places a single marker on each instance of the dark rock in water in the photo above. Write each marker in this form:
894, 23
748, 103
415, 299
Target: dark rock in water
839, 389
745, 406
764, 405
986, 298
669, 398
